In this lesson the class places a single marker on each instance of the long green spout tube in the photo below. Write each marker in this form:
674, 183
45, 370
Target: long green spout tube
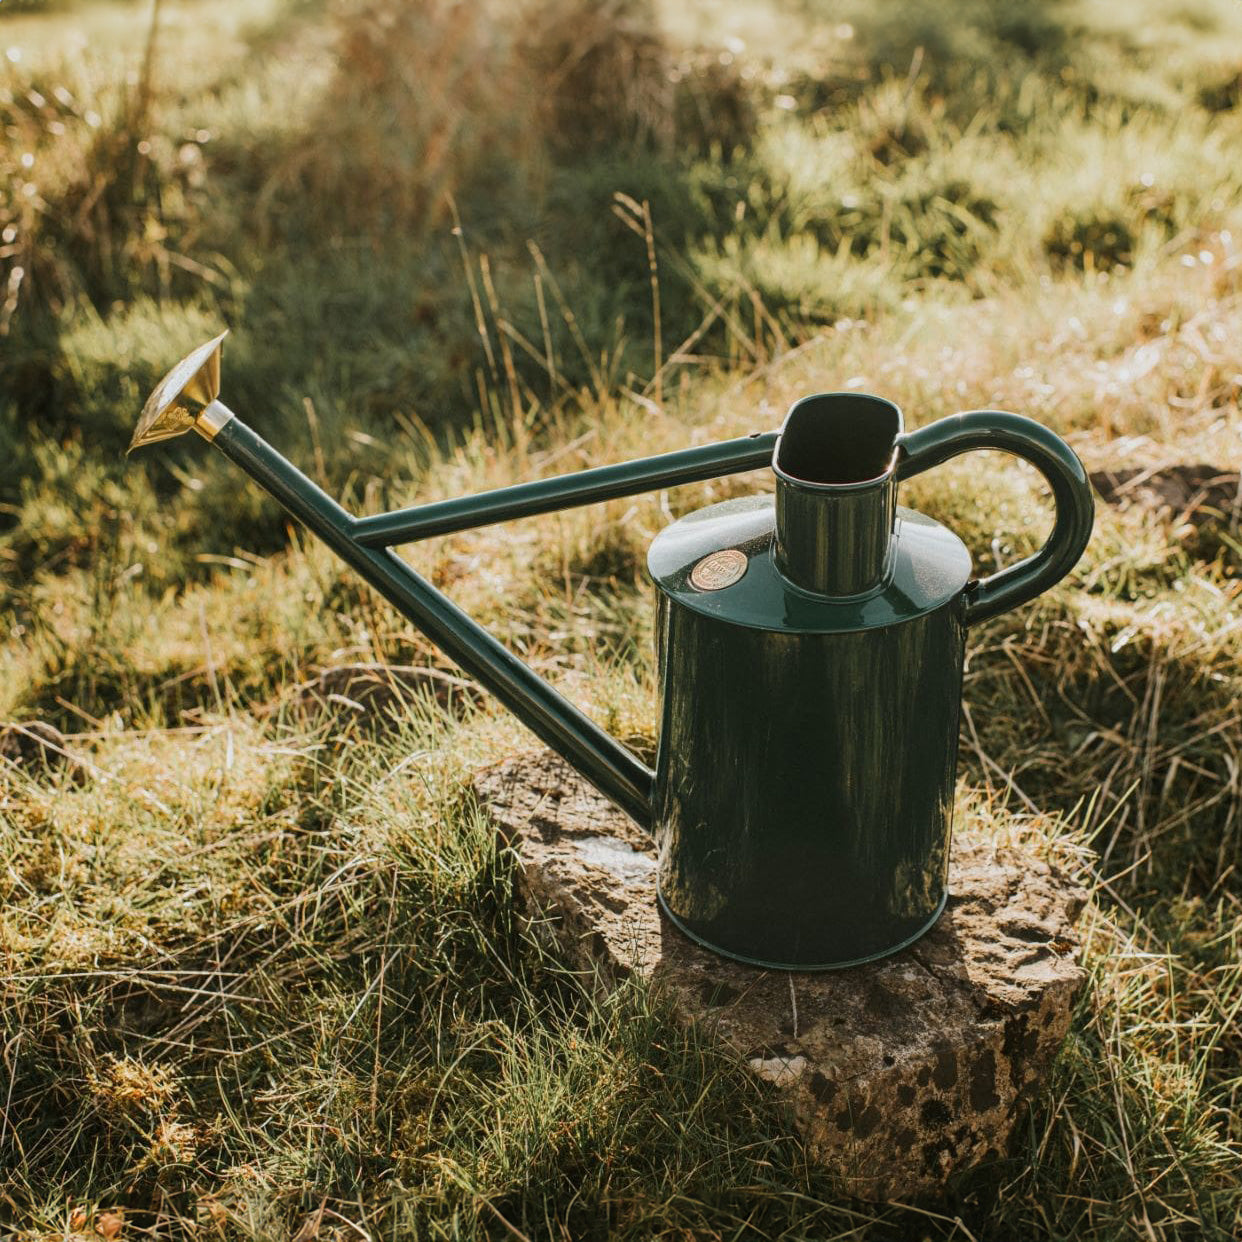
554, 719
585, 487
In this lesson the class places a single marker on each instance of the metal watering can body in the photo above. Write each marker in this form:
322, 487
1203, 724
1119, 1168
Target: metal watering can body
811, 647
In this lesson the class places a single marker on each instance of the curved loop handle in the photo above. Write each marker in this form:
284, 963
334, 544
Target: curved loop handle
1052, 457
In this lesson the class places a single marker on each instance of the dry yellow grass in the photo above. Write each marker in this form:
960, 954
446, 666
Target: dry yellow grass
261, 974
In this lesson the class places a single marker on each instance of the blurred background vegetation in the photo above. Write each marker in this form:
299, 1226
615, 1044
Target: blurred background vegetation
431, 213
461, 244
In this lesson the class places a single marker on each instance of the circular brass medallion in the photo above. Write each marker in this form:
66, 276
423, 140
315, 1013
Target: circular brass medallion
719, 570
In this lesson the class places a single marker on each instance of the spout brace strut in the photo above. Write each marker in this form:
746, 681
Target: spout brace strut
586, 487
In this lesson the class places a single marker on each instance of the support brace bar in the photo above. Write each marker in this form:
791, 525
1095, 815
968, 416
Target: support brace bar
443, 517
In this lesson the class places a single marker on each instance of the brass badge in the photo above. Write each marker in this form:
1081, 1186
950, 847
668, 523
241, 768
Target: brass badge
721, 569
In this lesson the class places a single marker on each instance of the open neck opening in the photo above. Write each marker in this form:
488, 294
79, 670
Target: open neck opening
838, 439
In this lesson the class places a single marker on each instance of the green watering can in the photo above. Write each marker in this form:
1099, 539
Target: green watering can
811, 646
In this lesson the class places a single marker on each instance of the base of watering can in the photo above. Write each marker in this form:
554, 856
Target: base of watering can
808, 966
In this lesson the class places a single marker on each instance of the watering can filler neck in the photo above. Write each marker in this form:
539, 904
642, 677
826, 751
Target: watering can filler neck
810, 641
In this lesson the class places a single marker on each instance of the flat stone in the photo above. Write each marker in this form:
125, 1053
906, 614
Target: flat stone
897, 1073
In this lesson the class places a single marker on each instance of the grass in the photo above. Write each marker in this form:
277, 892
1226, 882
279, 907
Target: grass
262, 976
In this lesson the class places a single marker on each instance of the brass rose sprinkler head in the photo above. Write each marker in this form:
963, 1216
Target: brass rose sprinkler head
193, 382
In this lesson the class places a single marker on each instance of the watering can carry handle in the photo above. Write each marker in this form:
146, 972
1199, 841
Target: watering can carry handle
1052, 457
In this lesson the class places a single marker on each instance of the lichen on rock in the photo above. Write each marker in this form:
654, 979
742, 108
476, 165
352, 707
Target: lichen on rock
897, 1073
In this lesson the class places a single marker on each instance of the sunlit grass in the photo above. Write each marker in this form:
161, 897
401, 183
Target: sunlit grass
262, 969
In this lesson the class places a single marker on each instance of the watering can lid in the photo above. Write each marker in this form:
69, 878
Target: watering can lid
930, 568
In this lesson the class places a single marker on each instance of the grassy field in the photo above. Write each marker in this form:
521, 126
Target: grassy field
261, 973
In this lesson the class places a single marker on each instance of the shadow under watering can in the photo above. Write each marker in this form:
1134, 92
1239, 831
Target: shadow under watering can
811, 647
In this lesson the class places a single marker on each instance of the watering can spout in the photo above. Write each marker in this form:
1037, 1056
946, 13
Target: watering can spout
188, 399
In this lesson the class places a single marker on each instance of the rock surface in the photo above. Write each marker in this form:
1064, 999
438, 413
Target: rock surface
897, 1073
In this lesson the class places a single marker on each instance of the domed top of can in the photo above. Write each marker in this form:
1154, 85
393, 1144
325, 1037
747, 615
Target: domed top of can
721, 561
